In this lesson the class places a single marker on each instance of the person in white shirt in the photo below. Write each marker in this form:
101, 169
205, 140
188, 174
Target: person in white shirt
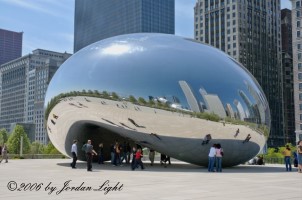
212, 154
74, 152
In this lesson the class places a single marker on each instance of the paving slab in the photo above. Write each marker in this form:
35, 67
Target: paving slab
45, 179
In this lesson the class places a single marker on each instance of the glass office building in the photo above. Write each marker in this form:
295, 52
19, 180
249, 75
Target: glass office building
10, 45
99, 19
297, 64
250, 32
23, 84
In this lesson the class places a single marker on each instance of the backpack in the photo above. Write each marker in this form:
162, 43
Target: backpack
84, 147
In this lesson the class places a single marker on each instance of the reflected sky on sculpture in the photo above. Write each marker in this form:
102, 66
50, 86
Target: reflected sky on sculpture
173, 81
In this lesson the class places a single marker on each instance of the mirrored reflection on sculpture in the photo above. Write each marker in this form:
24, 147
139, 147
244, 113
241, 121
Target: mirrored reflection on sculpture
174, 95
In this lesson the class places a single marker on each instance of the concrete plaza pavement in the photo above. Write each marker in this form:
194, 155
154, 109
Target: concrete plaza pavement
177, 181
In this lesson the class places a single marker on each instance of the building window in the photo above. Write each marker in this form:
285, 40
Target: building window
298, 24
300, 117
298, 33
300, 126
298, 46
300, 106
300, 86
299, 66
300, 96
297, 4
298, 13
299, 56
300, 76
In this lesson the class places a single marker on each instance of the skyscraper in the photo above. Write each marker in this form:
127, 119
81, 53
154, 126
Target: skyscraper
191, 99
23, 84
287, 73
10, 45
250, 32
297, 65
99, 19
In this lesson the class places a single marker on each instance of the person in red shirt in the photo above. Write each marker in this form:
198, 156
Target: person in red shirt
138, 159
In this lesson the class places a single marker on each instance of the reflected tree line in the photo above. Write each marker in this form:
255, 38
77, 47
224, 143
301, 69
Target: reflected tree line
153, 103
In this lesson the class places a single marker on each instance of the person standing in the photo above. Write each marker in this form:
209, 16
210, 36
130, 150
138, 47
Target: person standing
212, 154
138, 159
287, 158
219, 153
4, 153
89, 153
133, 164
101, 153
299, 156
74, 152
151, 156
112, 153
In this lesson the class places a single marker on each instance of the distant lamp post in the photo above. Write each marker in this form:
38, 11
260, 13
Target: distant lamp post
21, 147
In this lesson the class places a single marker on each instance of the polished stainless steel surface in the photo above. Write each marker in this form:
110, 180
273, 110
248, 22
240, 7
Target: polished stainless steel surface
160, 91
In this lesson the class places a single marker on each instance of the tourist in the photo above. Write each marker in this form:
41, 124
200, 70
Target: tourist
163, 159
219, 154
124, 152
138, 159
89, 153
117, 155
212, 154
299, 156
112, 153
74, 152
101, 154
151, 156
133, 164
237, 132
287, 158
206, 139
4, 153
248, 137
128, 153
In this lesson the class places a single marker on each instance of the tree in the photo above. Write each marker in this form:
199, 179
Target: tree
14, 141
105, 94
142, 101
37, 148
132, 99
114, 96
1, 139
3, 134
50, 149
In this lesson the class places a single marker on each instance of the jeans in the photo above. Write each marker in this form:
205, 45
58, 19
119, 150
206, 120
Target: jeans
101, 159
211, 164
74, 159
89, 161
112, 157
288, 164
218, 164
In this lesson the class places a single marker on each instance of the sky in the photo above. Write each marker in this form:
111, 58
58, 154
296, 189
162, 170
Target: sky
48, 24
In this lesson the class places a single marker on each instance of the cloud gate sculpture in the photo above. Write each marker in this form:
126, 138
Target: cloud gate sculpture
174, 95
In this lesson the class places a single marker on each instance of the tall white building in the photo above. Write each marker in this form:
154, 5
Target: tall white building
297, 64
191, 99
23, 84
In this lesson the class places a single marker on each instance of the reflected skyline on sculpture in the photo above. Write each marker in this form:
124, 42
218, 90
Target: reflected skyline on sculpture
164, 83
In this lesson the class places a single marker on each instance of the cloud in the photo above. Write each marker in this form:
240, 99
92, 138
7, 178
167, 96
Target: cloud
44, 7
